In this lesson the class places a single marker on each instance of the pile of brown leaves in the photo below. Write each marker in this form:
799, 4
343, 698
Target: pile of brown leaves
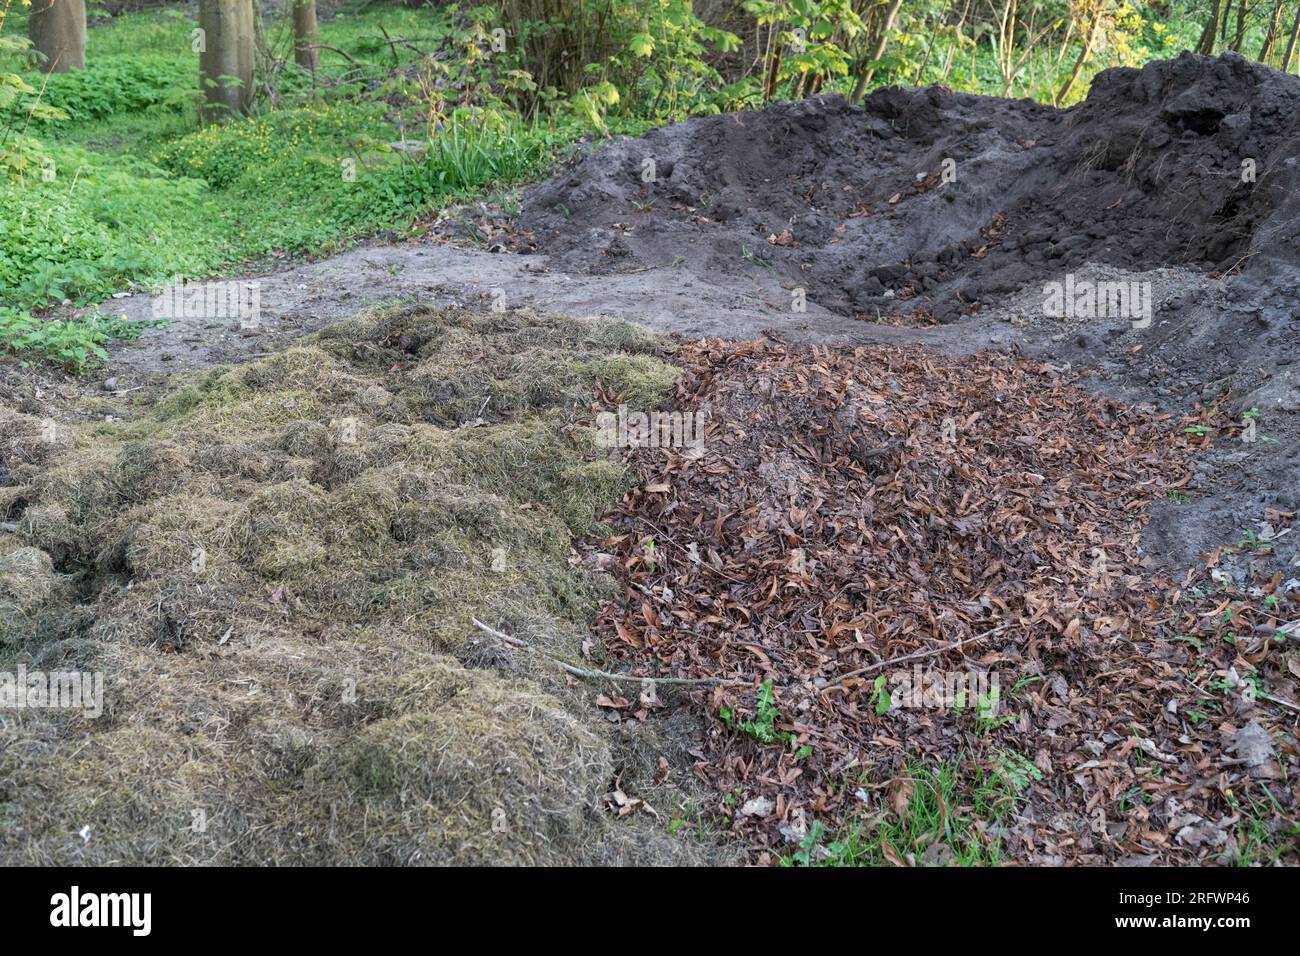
859, 512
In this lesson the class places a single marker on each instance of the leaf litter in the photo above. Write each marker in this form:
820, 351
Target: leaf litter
858, 513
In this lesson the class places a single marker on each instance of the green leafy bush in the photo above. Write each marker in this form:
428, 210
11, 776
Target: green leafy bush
74, 343
93, 228
113, 87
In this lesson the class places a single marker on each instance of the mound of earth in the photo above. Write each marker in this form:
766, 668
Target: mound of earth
853, 203
276, 569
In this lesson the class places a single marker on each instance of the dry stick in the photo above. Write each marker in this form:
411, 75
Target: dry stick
1280, 701
334, 49
702, 563
920, 654
606, 675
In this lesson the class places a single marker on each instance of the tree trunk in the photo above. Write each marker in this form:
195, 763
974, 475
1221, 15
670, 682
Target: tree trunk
58, 31
227, 56
929, 49
1270, 38
1290, 46
947, 62
1206, 43
305, 35
1240, 36
882, 42
1084, 53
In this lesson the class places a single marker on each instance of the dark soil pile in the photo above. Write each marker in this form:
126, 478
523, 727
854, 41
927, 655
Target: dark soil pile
851, 203
854, 508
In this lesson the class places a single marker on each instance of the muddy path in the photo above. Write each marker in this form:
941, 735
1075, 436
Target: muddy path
308, 297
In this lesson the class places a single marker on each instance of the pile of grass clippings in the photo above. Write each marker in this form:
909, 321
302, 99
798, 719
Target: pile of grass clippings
276, 569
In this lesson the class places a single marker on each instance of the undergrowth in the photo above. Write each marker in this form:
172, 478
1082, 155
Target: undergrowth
951, 817
74, 343
109, 185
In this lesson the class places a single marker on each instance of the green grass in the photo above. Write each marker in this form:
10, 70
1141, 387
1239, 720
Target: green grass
951, 813
1262, 835
135, 194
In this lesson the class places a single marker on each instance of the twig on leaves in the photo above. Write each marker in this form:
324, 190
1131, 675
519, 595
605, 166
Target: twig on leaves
588, 674
931, 652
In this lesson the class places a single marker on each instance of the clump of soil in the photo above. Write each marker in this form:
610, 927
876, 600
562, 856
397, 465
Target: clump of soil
277, 570
858, 513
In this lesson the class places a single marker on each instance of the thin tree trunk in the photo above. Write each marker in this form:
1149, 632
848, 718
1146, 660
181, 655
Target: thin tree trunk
952, 47
929, 49
882, 43
58, 32
1083, 55
1270, 38
1007, 47
227, 54
773, 71
1240, 36
1065, 43
265, 66
1290, 46
1206, 43
305, 35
